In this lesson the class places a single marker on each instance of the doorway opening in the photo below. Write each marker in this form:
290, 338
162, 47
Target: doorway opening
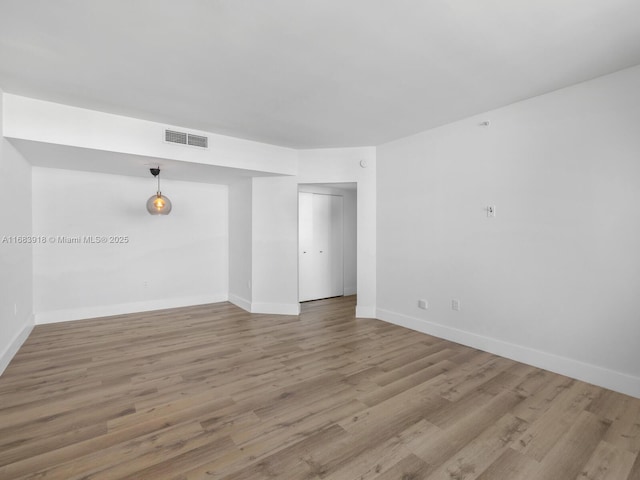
327, 240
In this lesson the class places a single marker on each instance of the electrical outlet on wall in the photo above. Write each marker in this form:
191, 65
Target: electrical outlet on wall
455, 304
491, 211
423, 304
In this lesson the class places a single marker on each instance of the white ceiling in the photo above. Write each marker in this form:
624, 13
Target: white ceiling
309, 73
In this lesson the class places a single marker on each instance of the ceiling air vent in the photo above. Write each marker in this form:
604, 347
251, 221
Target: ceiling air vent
197, 140
183, 138
175, 137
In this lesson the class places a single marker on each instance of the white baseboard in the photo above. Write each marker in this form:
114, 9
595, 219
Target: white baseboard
82, 313
276, 308
365, 312
238, 301
603, 377
15, 344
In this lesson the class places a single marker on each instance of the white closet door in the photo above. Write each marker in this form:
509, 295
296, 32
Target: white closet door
321, 243
306, 257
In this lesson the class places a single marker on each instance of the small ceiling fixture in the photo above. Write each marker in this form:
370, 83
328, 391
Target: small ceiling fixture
158, 204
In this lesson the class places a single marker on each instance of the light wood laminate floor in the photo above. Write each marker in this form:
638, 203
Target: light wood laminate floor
214, 392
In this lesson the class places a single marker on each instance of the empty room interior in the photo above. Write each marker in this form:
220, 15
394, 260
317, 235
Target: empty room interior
320, 240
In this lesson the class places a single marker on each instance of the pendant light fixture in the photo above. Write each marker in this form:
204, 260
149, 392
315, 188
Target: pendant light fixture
158, 204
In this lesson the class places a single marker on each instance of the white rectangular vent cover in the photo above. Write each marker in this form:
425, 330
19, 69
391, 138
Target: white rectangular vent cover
183, 138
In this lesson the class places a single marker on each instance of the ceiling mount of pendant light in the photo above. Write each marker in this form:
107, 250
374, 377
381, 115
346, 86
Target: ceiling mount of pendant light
158, 204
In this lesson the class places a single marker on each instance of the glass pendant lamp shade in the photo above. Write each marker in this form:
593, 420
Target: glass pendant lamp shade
158, 204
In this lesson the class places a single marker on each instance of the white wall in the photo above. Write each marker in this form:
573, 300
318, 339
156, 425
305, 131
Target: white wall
336, 165
16, 290
350, 242
240, 242
169, 261
275, 245
554, 278
350, 231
